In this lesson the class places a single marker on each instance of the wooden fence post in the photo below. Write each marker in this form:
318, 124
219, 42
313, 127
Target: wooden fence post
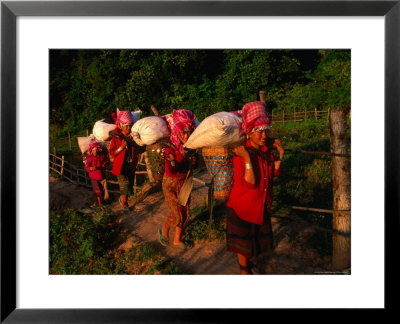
262, 95
283, 115
316, 113
87, 133
154, 110
341, 184
305, 114
148, 167
62, 165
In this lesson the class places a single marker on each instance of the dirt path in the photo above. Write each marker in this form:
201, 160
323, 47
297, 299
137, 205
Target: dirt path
291, 255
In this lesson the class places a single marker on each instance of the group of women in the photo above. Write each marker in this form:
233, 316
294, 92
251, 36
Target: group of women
248, 216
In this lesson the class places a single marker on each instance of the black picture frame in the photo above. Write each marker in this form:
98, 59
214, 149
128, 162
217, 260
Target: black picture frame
10, 10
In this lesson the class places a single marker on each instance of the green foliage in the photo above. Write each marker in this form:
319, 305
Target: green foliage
305, 179
144, 258
88, 244
87, 85
81, 243
203, 228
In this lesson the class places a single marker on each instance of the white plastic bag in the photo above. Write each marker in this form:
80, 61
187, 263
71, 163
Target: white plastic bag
220, 129
149, 130
83, 143
101, 130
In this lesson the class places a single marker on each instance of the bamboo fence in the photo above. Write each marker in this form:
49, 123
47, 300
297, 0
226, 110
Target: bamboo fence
79, 176
299, 116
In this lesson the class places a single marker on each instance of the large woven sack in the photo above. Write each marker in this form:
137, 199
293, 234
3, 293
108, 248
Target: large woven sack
149, 130
220, 129
155, 156
101, 130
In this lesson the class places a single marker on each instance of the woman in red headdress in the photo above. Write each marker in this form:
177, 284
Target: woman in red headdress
124, 152
249, 230
177, 164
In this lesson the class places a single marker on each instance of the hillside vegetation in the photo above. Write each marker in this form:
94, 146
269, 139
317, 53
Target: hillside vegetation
87, 85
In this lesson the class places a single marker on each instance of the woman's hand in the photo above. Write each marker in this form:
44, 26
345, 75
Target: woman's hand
123, 144
170, 157
277, 165
92, 168
242, 152
278, 145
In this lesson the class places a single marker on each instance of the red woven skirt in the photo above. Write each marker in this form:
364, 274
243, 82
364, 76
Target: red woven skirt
247, 238
178, 215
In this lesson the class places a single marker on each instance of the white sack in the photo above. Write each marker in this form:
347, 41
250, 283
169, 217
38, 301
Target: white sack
148, 130
83, 143
220, 129
101, 130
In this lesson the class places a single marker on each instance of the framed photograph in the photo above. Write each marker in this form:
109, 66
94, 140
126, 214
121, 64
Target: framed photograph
31, 29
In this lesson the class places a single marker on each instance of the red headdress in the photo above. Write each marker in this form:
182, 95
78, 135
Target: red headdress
254, 116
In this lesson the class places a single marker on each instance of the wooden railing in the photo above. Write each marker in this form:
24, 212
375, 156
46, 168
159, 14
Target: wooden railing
299, 116
79, 176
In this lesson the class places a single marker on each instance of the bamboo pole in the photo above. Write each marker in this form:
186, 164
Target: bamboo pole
62, 165
55, 170
328, 211
262, 95
154, 110
148, 167
318, 153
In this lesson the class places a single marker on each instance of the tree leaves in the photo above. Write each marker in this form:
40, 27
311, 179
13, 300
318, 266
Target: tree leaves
87, 85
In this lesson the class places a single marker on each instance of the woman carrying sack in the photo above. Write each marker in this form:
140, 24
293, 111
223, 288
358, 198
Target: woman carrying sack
125, 153
249, 230
178, 163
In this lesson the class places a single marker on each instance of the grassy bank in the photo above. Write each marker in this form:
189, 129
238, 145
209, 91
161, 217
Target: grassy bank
88, 244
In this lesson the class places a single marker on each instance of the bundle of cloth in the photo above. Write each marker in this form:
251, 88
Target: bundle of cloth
220, 129
101, 132
218, 134
150, 130
84, 142
101, 129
